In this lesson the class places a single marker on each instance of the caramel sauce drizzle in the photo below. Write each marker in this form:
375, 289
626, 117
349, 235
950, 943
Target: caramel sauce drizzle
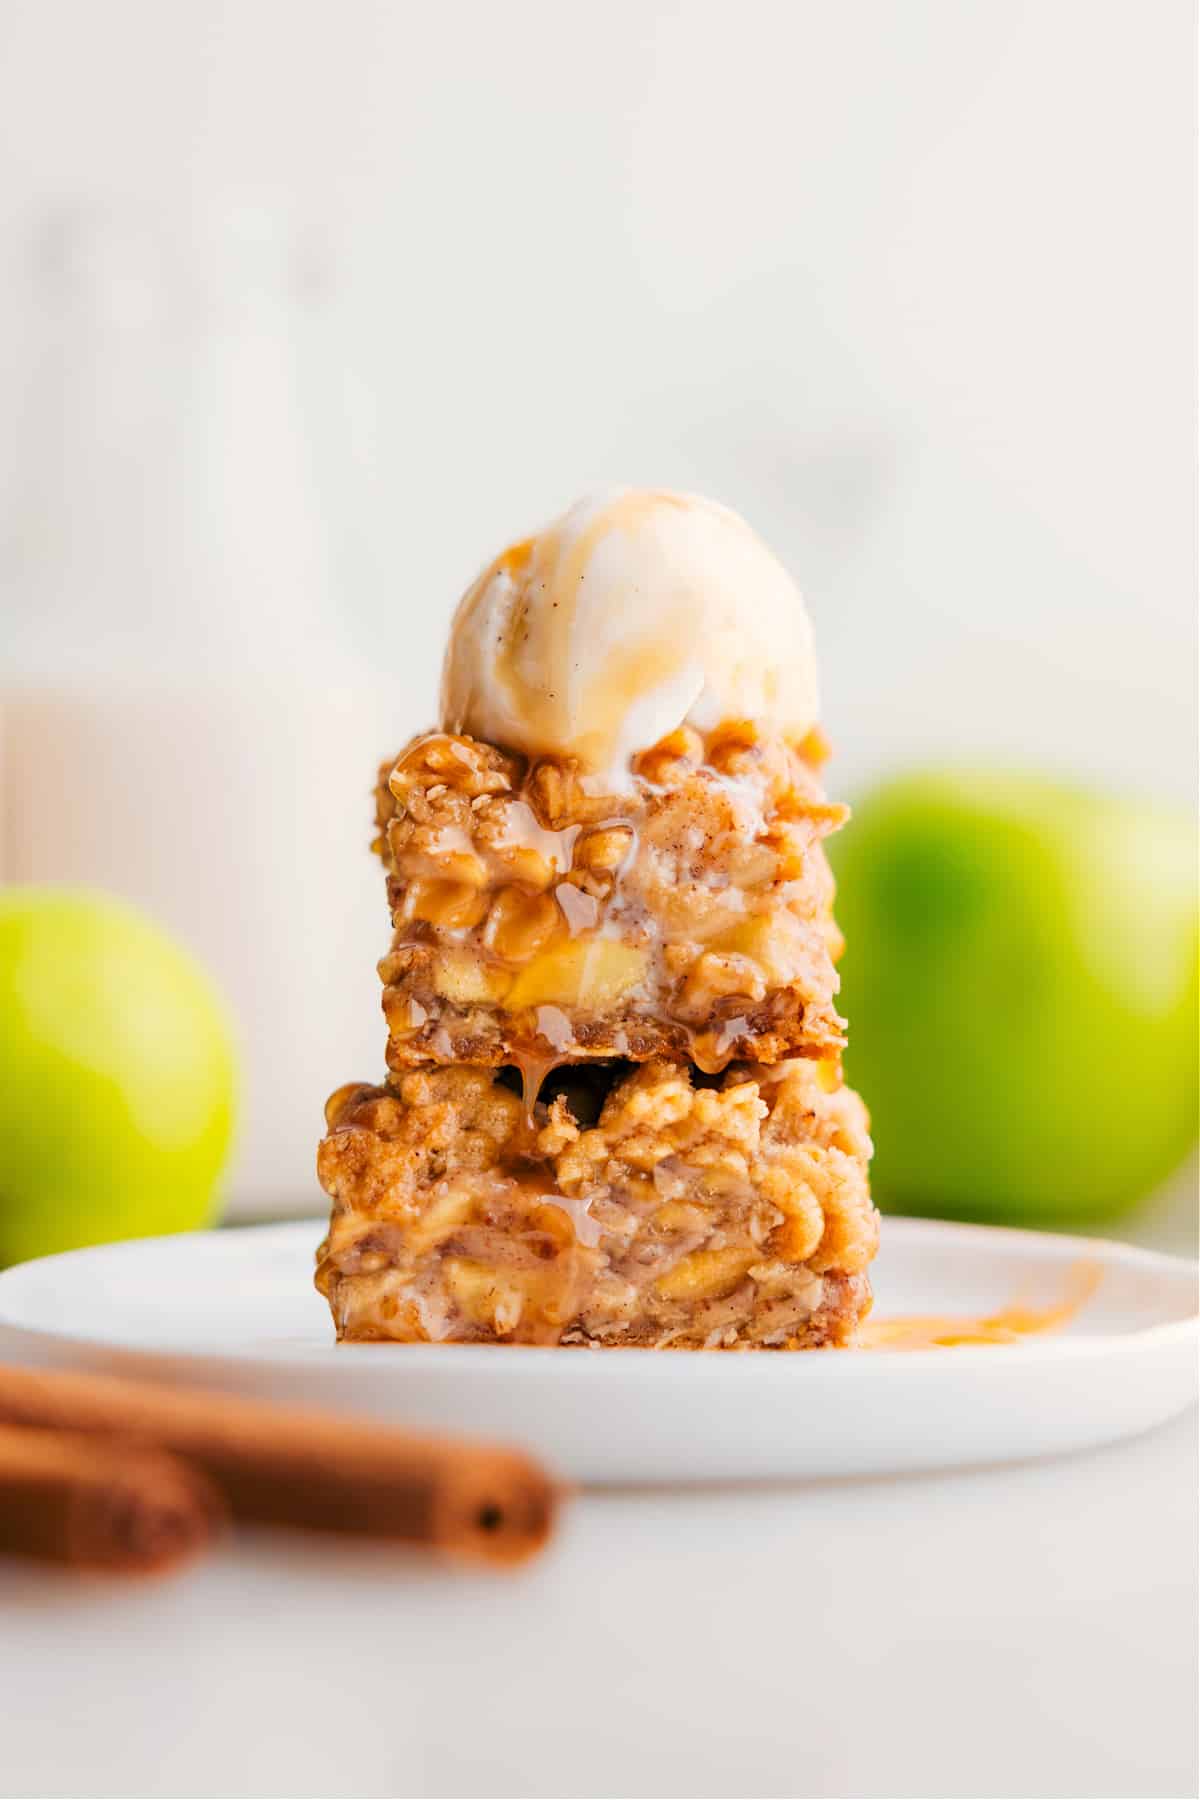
1010, 1325
533, 1071
543, 563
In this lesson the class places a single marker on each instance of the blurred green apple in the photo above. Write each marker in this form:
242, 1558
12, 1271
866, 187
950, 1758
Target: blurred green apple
117, 1094
1020, 979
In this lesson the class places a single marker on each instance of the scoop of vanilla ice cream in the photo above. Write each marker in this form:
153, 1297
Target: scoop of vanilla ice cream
633, 613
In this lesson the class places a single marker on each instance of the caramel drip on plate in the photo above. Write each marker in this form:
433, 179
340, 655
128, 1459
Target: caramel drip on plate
1010, 1325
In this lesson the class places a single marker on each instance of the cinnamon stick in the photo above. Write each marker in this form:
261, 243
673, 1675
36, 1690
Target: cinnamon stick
289, 1466
73, 1499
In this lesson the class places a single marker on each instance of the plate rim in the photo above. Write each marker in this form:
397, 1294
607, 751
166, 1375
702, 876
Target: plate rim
1160, 1334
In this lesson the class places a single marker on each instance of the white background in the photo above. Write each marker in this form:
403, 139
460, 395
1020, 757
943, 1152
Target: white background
910, 284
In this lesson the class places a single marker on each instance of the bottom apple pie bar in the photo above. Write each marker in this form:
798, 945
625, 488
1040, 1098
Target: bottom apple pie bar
642, 1204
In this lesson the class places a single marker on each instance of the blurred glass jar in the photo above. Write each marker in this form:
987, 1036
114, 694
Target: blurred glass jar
182, 719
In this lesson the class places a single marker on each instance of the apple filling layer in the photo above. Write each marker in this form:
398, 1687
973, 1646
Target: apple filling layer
638, 1204
538, 918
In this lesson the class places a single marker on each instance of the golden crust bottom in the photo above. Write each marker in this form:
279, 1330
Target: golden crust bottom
667, 1211
783, 1026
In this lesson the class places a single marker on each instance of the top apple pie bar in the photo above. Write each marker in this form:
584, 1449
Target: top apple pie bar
540, 917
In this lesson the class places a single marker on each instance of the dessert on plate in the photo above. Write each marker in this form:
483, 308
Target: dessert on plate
614, 1110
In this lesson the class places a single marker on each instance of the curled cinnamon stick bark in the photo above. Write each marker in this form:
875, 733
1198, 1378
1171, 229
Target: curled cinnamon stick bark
72, 1499
289, 1466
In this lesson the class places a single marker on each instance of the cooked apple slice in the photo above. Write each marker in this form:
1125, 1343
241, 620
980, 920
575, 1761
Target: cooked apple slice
590, 973
707, 1274
461, 977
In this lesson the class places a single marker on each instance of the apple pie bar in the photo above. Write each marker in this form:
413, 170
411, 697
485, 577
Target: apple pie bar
538, 917
614, 1112
642, 1204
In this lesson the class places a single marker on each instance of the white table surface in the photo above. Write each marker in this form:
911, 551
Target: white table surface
1008, 1632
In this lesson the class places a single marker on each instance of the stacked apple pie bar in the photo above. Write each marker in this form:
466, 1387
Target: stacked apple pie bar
614, 1112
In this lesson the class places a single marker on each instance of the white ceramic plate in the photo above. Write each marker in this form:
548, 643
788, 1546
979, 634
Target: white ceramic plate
237, 1310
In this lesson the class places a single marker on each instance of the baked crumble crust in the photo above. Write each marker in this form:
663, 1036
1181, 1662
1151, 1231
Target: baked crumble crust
637, 1204
537, 917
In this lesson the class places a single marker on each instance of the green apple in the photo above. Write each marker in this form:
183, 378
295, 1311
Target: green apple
117, 1085
1020, 979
